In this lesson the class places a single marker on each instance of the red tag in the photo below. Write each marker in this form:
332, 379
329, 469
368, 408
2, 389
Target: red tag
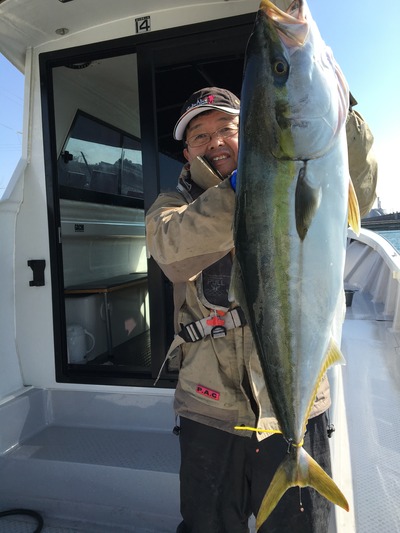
204, 391
215, 321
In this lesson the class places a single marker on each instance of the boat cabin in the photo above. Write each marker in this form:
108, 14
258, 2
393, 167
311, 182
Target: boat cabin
86, 318
104, 91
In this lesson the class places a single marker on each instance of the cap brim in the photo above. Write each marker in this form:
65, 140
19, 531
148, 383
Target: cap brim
182, 123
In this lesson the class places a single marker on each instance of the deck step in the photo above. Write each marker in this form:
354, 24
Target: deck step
108, 478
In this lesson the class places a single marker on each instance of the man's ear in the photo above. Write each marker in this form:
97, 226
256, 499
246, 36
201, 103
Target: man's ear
186, 154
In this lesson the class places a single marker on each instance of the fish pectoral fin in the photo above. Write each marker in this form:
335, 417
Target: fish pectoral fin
307, 201
353, 216
299, 469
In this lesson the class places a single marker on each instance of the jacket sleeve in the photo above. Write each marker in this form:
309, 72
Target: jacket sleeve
185, 238
362, 161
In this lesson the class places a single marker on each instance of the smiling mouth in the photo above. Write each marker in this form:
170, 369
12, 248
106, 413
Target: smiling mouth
219, 158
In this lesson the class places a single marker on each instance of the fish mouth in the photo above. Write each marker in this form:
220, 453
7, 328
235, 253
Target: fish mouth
292, 25
308, 128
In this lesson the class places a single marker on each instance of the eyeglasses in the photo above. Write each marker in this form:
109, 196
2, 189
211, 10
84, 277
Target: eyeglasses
204, 138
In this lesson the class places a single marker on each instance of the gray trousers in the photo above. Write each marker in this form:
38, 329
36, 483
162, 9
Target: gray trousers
223, 478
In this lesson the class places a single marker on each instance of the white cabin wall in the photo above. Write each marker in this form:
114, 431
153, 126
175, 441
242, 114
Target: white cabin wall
33, 305
11, 379
160, 20
10, 373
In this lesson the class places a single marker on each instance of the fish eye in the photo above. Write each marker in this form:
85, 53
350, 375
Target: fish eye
280, 67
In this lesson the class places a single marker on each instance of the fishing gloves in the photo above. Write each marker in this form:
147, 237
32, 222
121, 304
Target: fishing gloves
233, 180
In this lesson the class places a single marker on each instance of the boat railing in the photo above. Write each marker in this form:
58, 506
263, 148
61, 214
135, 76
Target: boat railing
373, 266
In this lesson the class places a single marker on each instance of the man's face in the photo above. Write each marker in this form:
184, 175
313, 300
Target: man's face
222, 152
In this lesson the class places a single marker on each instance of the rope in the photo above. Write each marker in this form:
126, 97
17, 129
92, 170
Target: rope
26, 512
272, 431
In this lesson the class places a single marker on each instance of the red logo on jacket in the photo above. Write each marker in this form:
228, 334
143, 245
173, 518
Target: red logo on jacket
205, 391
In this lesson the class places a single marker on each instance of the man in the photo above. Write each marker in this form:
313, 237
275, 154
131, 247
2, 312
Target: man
224, 472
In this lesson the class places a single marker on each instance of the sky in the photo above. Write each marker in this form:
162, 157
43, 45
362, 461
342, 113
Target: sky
362, 36
11, 111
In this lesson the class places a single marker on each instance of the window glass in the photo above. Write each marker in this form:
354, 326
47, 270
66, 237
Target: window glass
97, 157
100, 183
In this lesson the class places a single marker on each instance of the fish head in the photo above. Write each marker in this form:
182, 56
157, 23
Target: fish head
309, 94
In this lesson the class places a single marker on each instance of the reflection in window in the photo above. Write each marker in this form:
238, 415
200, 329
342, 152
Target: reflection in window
99, 157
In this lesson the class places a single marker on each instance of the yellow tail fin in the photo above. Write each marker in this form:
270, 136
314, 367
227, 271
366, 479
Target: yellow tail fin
299, 470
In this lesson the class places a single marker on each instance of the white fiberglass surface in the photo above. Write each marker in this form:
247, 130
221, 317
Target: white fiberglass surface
371, 383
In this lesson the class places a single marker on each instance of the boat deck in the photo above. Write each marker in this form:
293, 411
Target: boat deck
106, 478
96, 480
100, 462
371, 384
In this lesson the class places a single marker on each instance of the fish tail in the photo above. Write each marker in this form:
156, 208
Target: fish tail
299, 469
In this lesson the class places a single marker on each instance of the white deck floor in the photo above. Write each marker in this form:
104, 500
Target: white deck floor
371, 381
371, 385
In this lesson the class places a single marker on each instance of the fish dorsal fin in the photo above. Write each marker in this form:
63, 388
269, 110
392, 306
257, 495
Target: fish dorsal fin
307, 200
354, 210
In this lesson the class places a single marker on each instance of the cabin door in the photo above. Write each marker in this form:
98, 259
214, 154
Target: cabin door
109, 112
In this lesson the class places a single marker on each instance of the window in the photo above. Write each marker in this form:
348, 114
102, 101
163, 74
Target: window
97, 157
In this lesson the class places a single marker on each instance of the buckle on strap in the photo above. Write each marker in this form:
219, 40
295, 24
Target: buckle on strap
215, 325
191, 332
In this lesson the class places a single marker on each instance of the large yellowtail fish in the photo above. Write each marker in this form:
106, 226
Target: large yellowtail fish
291, 223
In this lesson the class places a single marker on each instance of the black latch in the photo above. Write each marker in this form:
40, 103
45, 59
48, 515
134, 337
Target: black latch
330, 429
37, 266
67, 157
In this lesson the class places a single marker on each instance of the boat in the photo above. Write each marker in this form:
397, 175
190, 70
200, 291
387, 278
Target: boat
385, 222
86, 436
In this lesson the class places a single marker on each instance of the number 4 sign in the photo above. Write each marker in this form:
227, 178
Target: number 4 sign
143, 24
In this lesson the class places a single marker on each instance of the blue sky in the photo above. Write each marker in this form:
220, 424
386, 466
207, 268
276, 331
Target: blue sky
362, 36
11, 104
